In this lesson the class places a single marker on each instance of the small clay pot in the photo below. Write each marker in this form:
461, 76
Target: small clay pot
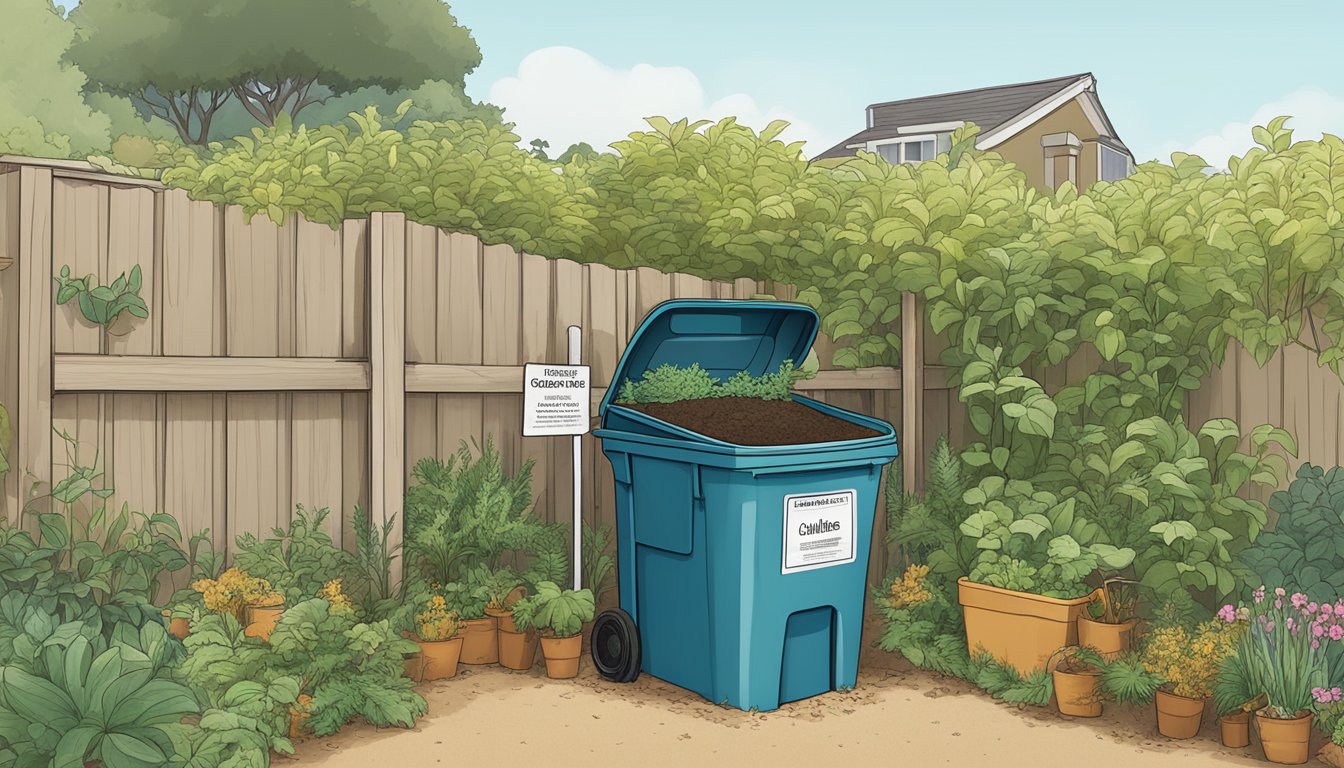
562, 656
261, 620
1286, 741
437, 660
1235, 730
480, 642
1109, 640
178, 628
517, 650
1178, 717
1077, 690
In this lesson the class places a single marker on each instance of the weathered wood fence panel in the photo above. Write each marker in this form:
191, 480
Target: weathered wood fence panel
296, 363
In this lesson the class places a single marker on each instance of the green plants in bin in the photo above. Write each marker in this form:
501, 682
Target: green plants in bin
102, 304
670, 384
554, 611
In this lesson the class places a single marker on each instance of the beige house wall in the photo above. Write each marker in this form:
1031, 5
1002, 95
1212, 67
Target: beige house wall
1025, 150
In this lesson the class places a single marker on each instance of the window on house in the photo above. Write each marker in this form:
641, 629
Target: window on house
1114, 165
915, 150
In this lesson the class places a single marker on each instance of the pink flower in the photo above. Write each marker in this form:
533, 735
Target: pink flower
1269, 625
1298, 599
1337, 632
1278, 602
1327, 609
1259, 594
1280, 592
1315, 644
1317, 630
1228, 613
1291, 626
1311, 607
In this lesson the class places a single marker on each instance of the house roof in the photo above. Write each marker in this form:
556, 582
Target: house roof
996, 110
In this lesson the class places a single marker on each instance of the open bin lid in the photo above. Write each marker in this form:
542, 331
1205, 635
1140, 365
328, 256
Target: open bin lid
723, 336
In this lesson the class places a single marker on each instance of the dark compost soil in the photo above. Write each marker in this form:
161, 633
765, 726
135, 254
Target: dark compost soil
749, 421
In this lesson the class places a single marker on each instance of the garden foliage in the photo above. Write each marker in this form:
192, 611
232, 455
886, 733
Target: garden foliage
1305, 550
670, 384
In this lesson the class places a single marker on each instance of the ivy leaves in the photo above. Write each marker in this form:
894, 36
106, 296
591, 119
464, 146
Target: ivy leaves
102, 304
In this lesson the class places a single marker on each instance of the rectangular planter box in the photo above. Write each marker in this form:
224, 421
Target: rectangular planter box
1017, 628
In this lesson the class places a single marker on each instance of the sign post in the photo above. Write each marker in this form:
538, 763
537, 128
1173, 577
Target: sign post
557, 400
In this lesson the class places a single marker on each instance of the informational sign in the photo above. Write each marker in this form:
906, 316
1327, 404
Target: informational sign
818, 530
556, 400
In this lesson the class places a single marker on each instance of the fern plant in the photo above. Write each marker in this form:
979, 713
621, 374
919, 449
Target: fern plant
599, 567
468, 511
1005, 683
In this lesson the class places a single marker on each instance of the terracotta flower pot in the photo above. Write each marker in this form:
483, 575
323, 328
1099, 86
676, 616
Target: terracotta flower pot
1109, 640
298, 716
1178, 717
437, 660
562, 656
1235, 730
178, 628
480, 644
517, 650
1077, 690
1019, 629
261, 620
1286, 741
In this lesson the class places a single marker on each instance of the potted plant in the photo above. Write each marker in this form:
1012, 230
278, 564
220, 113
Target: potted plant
1285, 651
479, 642
1235, 695
558, 616
437, 632
504, 588
250, 600
1187, 662
1026, 588
1108, 624
1077, 681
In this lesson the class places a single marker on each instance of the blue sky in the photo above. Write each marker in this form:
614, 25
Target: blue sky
1172, 74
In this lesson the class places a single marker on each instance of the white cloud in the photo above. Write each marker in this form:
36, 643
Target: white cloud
1313, 110
565, 96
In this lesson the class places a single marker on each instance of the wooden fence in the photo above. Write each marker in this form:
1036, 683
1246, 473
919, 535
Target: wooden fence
300, 364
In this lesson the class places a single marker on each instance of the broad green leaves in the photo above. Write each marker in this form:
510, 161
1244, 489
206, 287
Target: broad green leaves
555, 611
102, 304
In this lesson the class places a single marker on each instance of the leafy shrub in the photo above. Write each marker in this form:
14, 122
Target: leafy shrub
670, 384
467, 512
81, 698
299, 561
555, 611
599, 566
923, 526
922, 623
1305, 549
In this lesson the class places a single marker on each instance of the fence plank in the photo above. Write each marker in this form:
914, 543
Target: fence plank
131, 242
570, 305
355, 288
79, 241
422, 421
316, 456
259, 479
192, 277
252, 285
912, 391
354, 463
10, 341
387, 269
502, 345
195, 468
135, 443
537, 317
422, 316
318, 291
32, 413
134, 373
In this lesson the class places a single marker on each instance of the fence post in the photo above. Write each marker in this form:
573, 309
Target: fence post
32, 412
387, 359
912, 392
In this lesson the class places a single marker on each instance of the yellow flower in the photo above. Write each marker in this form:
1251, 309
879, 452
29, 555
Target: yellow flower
1189, 661
332, 593
909, 590
436, 622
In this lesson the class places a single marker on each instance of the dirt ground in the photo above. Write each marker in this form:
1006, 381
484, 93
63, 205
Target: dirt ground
897, 715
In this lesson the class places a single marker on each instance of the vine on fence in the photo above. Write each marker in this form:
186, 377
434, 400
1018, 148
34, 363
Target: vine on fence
102, 304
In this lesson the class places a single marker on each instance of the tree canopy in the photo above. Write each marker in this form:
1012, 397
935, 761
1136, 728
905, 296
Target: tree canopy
184, 60
42, 107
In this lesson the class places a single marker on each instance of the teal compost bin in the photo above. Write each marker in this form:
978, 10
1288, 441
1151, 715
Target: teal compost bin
743, 569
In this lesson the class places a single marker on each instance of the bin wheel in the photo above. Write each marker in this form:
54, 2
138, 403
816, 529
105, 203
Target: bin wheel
616, 647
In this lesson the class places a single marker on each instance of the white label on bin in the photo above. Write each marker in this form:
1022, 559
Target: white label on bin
555, 399
818, 530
